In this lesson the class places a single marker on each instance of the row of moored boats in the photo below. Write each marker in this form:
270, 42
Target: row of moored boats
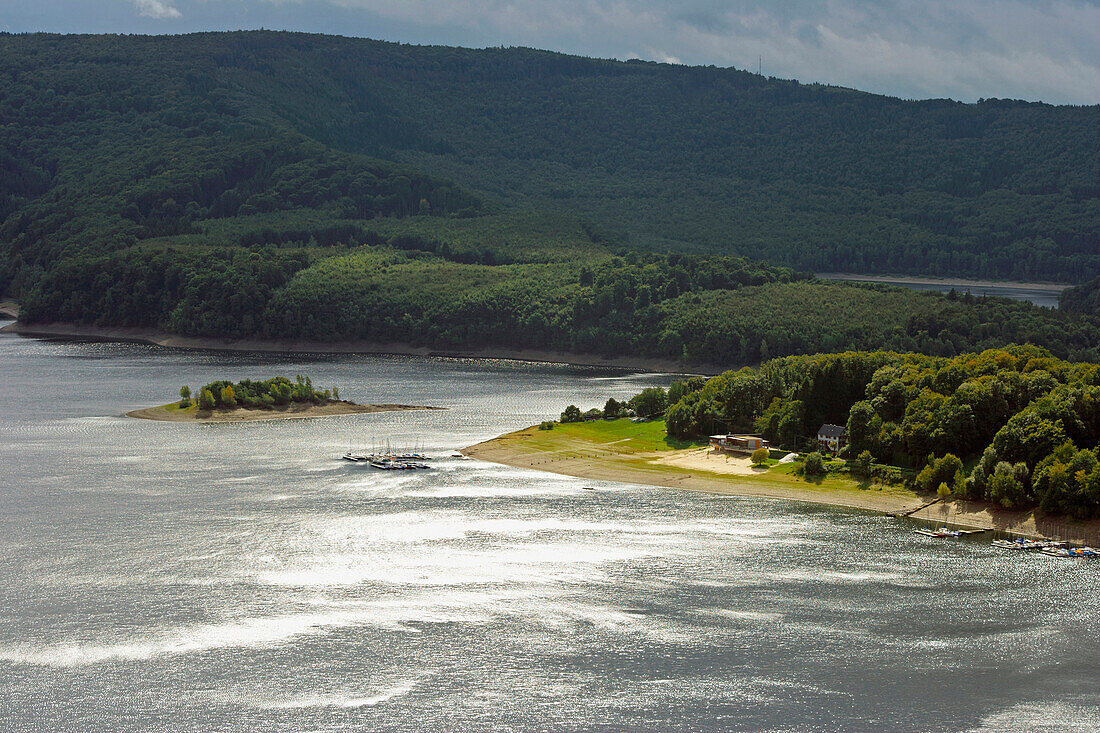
1054, 548
390, 461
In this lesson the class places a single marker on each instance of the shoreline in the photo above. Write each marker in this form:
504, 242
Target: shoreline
946, 282
596, 461
169, 413
395, 348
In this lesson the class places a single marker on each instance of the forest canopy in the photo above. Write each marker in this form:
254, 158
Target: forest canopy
1025, 425
281, 185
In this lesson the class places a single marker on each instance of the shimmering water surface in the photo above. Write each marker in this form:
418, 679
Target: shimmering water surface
158, 576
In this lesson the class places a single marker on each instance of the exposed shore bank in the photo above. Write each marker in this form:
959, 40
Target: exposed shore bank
947, 282
160, 338
699, 470
172, 412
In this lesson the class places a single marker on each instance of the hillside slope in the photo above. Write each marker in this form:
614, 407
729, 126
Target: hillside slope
666, 156
287, 186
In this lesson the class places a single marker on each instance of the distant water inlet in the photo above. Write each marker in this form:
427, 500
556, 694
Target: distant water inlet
1044, 294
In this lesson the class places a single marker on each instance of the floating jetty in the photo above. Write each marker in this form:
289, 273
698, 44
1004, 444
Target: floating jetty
1023, 543
941, 533
397, 464
946, 532
390, 460
1067, 552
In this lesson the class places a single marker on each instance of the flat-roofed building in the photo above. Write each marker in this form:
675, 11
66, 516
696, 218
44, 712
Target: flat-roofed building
737, 443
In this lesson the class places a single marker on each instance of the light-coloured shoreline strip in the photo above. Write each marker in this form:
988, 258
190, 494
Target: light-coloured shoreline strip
599, 463
293, 411
168, 340
946, 282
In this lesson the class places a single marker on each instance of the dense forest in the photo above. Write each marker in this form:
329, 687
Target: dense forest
1085, 298
311, 187
265, 393
1015, 426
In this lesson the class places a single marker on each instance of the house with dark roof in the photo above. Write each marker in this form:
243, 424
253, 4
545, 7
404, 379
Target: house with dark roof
832, 438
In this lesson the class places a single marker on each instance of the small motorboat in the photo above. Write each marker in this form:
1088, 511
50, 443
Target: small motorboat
941, 533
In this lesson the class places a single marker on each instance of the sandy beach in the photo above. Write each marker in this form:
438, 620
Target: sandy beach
170, 413
698, 469
695, 469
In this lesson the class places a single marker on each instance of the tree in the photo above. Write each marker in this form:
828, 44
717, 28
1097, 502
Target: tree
650, 402
611, 408
759, 456
571, 414
945, 470
227, 397
863, 463
335, 393
814, 465
206, 400
185, 397
863, 425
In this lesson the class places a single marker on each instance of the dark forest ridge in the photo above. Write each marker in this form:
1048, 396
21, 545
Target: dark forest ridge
291, 186
703, 158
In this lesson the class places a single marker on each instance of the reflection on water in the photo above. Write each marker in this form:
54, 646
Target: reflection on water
241, 577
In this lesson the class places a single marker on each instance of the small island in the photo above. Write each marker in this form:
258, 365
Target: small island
270, 399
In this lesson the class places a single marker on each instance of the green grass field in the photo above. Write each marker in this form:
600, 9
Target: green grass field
627, 436
632, 444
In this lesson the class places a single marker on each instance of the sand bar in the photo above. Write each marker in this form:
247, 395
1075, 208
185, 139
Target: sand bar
171, 413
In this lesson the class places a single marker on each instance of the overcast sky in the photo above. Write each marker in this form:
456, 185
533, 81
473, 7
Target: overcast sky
1045, 50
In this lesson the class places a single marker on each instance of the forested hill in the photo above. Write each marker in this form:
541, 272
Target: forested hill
286, 186
661, 156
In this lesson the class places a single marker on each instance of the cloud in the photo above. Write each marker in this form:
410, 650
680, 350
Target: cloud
157, 9
965, 49
1034, 49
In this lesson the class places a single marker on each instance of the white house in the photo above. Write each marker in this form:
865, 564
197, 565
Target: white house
832, 437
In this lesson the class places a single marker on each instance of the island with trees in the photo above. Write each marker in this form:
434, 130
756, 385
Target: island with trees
268, 399
1011, 432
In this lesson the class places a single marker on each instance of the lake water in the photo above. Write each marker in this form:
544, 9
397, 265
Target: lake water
158, 576
1036, 294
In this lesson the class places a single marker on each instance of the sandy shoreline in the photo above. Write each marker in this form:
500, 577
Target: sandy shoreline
160, 338
600, 464
944, 282
244, 414
713, 475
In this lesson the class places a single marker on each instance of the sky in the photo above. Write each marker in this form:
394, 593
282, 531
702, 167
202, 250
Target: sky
1039, 50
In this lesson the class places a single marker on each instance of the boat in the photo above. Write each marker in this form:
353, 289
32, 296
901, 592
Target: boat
409, 457
1022, 543
942, 532
355, 457
1071, 551
393, 464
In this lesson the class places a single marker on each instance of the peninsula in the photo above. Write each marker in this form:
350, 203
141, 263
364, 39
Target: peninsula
272, 399
1004, 439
